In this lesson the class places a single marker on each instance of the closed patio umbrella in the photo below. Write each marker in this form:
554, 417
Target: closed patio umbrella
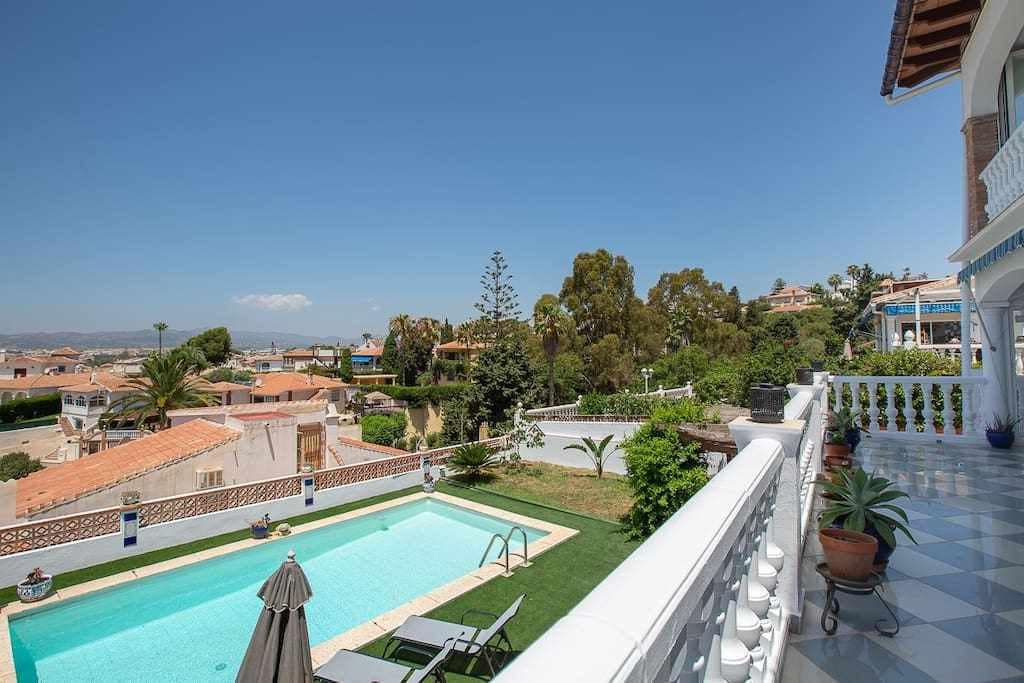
279, 649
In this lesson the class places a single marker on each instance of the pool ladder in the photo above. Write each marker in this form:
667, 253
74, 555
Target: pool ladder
505, 543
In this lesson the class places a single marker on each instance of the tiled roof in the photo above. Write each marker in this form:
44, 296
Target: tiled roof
96, 381
367, 446
65, 351
374, 351
44, 381
70, 481
944, 283
792, 308
266, 358
290, 407
225, 386
277, 383
267, 415
298, 353
789, 291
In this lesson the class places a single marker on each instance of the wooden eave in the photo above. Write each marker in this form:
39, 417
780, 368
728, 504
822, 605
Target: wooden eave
928, 39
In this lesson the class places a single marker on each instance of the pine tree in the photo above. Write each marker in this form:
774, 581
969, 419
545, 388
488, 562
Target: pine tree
498, 303
389, 360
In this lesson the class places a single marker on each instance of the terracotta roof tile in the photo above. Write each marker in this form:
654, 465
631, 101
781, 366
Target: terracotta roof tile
290, 407
461, 346
277, 383
44, 381
67, 482
367, 446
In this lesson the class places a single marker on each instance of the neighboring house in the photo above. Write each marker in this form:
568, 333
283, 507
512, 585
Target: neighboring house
127, 367
366, 358
979, 45
29, 366
264, 362
67, 352
83, 403
297, 386
790, 299
318, 356
37, 385
230, 393
927, 316
458, 352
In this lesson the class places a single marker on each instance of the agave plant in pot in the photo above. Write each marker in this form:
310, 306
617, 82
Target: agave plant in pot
865, 505
999, 432
849, 424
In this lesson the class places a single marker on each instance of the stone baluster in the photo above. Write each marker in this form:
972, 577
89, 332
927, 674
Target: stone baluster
855, 397
757, 595
927, 411
735, 657
748, 624
890, 406
948, 414
837, 388
773, 553
967, 407
713, 663
908, 406
873, 411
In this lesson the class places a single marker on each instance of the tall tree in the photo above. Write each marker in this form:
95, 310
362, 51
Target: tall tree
366, 338
160, 327
215, 343
834, 280
167, 383
689, 302
600, 296
499, 302
447, 333
551, 324
389, 360
778, 285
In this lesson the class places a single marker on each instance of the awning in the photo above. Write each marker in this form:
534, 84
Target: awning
990, 257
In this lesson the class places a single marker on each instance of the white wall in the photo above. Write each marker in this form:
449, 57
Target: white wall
557, 435
86, 553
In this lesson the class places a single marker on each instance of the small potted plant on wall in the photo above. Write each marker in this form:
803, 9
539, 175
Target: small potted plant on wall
999, 432
847, 423
261, 527
36, 586
837, 451
863, 504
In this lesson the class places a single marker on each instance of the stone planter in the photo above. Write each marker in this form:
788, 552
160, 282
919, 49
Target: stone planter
32, 592
849, 554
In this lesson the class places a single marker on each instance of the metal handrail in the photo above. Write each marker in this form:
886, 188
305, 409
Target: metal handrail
489, 545
525, 553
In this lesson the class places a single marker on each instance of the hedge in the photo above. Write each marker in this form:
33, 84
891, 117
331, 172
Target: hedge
418, 397
29, 408
384, 430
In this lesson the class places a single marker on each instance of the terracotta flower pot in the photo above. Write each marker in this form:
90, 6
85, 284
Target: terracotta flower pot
837, 449
834, 462
849, 554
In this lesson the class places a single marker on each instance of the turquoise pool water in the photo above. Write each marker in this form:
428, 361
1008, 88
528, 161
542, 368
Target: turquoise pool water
194, 623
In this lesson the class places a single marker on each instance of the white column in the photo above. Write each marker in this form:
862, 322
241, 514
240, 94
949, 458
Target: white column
965, 329
997, 365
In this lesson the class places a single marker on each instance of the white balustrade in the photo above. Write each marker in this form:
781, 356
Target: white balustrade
925, 422
1004, 175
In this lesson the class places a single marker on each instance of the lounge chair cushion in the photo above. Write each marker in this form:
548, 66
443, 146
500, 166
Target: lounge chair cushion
434, 633
352, 667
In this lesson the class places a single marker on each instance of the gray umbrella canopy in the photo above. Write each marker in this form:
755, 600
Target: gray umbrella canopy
279, 649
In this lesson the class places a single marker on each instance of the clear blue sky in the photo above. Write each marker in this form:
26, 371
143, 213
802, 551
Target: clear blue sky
169, 162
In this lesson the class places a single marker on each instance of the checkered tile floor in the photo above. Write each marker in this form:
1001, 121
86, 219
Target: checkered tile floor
959, 594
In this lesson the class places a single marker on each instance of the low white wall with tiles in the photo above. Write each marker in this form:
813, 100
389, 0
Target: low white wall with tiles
92, 551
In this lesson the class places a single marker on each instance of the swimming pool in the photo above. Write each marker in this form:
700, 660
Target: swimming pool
194, 623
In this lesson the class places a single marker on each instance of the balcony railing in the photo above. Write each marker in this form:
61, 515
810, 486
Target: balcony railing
912, 406
1004, 175
713, 593
569, 412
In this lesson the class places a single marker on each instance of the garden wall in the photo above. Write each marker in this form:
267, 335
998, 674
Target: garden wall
557, 435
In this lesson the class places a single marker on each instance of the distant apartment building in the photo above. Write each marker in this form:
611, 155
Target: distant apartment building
269, 362
30, 366
275, 387
317, 356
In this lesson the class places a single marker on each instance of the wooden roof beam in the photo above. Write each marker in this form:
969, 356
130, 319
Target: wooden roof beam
924, 73
941, 55
935, 37
954, 9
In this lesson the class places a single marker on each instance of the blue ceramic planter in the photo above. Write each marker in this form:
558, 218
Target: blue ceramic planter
999, 439
852, 439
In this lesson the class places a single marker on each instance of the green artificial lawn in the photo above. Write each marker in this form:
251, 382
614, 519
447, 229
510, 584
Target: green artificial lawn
559, 579
27, 424
556, 581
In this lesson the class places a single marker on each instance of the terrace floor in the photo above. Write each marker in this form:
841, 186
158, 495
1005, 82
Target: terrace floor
959, 594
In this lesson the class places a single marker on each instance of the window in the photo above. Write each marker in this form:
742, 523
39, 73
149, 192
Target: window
97, 401
80, 401
69, 400
209, 479
335, 395
1011, 96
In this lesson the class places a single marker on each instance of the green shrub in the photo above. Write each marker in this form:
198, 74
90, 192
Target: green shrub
678, 412
385, 430
28, 408
663, 474
419, 397
435, 440
720, 384
771, 363
17, 465
593, 404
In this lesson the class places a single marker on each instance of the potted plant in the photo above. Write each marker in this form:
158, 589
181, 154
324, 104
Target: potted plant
847, 423
837, 451
130, 498
260, 528
35, 586
865, 504
999, 432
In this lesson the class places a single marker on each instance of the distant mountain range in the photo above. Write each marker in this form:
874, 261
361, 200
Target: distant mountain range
240, 339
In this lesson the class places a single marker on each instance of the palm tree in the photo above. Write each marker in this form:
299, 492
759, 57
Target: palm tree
160, 327
594, 451
550, 322
472, 460
167, 383
366, 338
834, 280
